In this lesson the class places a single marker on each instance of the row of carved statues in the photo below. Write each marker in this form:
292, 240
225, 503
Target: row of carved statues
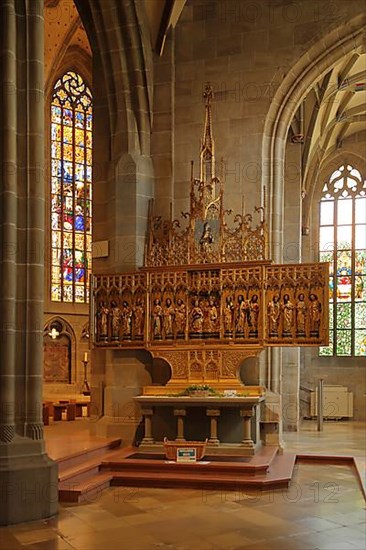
179, 317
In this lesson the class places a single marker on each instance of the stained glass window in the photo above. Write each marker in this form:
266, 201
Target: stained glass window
342, 242
71, 189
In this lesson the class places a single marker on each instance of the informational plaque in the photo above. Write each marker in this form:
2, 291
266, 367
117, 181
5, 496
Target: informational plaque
186, 454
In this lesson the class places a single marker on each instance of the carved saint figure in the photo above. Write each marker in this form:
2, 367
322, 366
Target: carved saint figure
314, 314
207, 237
168, 318
115, 314
102, 320
212, 316
253, 315
126, 317
196, 317
274, 310
242, 315
139, 317
229, 315
288, 315
180, 317
157, 319
301, 312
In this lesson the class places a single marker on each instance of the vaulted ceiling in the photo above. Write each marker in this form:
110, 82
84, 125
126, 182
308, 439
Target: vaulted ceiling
64, 29
333, 110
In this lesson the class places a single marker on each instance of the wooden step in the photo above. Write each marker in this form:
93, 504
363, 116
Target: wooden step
94, 452
78, 472
279, 476
162, 466
87, 490
79, 475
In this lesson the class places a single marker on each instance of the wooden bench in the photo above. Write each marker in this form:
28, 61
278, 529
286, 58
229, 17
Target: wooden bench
58, 409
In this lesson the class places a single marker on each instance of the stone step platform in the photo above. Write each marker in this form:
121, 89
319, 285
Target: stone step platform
79, 477
121, 467
279, 476
232, 464
269, 469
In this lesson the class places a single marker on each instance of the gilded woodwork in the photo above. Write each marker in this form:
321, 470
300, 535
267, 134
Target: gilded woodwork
207, 296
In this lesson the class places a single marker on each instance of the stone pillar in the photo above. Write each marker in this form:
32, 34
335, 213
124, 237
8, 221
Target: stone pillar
246, 415
148, 414
124, 375
213, 414
180, 414
29, 489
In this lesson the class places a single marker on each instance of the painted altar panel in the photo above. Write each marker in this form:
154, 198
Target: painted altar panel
57, 361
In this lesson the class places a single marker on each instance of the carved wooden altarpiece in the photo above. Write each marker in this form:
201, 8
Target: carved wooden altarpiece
208, 297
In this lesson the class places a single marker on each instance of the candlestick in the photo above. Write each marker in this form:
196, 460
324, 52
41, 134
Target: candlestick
86, 356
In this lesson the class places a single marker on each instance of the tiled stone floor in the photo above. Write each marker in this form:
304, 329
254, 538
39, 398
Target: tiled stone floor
322, 509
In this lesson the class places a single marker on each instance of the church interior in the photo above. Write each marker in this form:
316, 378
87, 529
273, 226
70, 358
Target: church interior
183, 274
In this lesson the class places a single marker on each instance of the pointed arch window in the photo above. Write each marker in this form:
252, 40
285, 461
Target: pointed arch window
71, 189
342, 242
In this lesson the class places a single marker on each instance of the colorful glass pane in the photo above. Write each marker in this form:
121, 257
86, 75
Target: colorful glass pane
360, 288
79, 294
344, 342
68, 293
67, 239
325, 351
67, 117
331, 289
56, 132
360, 262
71, 117
79, 154
346, 190
331, 313
56, 293
79, 119
55, 274
79, 138
56, 238
344, 316
68, 152
79, 172
56, 150
55, 185
360, 315
67, 135
360, 343
56, 114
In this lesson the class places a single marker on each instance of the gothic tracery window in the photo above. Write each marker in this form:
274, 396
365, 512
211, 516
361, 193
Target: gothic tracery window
342, 242
71, 189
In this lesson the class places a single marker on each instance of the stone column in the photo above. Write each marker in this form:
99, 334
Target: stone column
28, 476
180, 414
246, 415
213, 414
147, 414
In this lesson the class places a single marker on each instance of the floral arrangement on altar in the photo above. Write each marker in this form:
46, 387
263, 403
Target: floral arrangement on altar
199, 390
